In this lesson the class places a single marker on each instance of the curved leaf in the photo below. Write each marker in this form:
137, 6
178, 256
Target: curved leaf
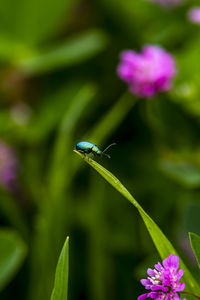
70, 52
62, 272
162, 244
195, 244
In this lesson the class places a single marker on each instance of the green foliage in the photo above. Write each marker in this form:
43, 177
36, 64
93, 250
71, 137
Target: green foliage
195, 244
70, 52
62, 273
12, 254
162, 244
32, 21
183, 172
59, 86
191, 222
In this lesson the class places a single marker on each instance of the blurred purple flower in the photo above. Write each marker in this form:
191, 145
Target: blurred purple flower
8, 167
194, 15
147, 73
163, 281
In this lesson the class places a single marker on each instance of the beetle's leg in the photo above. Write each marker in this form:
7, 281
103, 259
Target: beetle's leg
90, 156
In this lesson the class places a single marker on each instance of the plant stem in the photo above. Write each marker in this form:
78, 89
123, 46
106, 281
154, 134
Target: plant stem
188, 293
112, 119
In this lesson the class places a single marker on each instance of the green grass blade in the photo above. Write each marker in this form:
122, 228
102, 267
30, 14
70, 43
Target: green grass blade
112, 119
52, 109
12, 253
162, 244
68, 53
183, 172
61, 156
53, 209
62, 273
195, 244
108, 123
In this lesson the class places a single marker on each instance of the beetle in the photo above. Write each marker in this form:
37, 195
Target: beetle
90, 148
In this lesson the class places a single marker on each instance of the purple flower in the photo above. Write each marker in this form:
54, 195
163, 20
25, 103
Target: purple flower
194, 15
147, 73
8, 167
163, 281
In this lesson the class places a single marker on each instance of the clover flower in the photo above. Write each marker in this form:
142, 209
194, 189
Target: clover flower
194, 15
8, 167
147, 73
163, 281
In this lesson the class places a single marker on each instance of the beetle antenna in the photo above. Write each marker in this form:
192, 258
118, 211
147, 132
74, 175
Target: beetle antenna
109, 147
103, 152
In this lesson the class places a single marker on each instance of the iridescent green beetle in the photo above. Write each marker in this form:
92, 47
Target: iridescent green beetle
87, 148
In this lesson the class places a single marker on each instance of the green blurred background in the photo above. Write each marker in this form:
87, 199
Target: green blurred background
58, 86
